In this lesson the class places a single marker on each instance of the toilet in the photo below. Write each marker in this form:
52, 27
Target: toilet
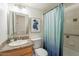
39, 51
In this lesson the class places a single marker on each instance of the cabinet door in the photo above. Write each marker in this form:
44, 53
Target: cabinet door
18, 52
29, 54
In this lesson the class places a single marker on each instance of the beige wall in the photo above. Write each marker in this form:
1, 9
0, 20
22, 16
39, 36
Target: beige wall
71, 27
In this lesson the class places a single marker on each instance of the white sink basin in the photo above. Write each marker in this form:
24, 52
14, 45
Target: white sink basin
18, 42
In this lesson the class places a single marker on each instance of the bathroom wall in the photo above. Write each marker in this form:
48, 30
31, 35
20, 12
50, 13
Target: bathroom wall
3, 22
32, 13
71, 27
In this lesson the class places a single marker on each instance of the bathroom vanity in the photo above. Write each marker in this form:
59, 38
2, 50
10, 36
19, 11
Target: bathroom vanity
18, 30
20, 50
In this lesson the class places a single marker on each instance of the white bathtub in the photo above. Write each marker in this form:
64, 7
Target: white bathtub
70, 52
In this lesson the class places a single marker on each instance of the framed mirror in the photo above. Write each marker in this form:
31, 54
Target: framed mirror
18, 24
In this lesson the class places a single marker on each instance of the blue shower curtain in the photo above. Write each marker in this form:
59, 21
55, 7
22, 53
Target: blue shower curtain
53, 31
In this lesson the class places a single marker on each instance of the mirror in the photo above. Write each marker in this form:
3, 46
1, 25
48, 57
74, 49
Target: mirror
18, 24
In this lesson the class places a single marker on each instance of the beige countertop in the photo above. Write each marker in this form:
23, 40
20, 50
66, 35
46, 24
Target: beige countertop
7, 47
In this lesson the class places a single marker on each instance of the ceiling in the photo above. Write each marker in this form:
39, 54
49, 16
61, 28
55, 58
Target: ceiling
41, 6
38, 6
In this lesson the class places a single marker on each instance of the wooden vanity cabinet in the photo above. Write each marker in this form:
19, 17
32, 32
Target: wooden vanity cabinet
26, 51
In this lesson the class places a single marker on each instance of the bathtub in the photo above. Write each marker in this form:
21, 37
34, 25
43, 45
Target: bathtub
69, 52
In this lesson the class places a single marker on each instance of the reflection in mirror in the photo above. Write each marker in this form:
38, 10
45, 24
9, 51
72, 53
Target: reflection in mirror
17, 24
20, 24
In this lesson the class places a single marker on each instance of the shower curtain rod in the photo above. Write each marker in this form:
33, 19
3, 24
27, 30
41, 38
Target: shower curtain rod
51, 9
